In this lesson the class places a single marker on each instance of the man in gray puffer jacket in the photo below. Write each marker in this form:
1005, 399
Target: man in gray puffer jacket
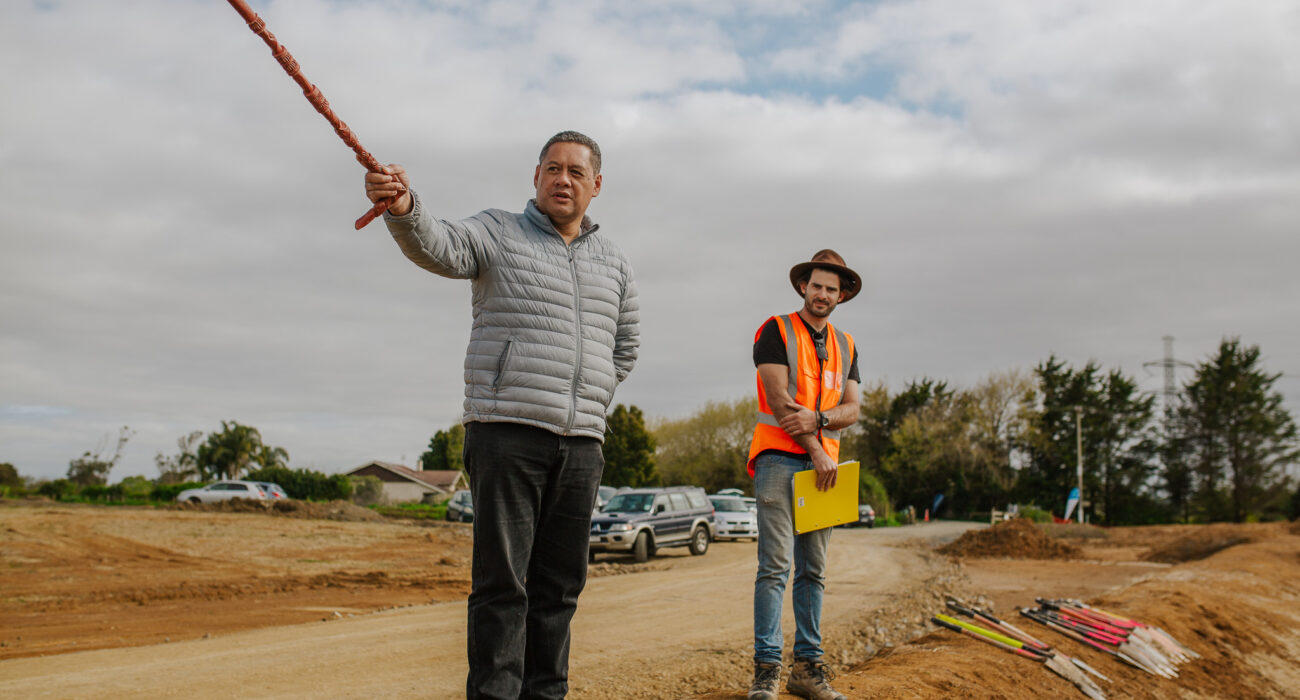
556, 328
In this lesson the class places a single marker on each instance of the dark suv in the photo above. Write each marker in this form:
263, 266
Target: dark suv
643, 520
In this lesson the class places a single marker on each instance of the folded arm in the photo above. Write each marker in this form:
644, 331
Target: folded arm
776, 383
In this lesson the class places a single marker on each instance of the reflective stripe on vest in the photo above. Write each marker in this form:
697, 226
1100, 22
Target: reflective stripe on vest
768, 433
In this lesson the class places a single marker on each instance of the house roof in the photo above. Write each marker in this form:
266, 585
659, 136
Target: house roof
441, 479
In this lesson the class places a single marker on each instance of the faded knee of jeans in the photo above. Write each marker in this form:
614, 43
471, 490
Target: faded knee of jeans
773, 571
815, 578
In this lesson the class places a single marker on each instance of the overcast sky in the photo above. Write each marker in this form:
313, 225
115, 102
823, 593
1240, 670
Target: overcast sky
1011, 179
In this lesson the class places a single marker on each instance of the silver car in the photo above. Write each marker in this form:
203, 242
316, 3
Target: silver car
224, 490
603, 494
460, 507
736, 519
274, 492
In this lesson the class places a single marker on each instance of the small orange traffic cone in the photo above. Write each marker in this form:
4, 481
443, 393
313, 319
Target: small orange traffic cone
927, 515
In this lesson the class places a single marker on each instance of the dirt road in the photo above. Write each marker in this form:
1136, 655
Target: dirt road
143, 603
680, 622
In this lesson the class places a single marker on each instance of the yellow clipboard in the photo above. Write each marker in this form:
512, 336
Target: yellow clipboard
814, 510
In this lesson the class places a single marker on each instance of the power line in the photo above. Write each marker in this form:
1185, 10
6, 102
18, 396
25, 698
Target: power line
1169, 363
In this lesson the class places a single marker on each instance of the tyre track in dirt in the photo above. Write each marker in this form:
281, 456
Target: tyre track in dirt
679, 627
79, 577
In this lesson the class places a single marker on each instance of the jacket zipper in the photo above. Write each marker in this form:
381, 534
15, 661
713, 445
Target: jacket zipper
577, 332
501, 365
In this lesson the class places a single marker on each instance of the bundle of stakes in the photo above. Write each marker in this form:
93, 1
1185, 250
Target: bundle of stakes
1008, 637
1141, 646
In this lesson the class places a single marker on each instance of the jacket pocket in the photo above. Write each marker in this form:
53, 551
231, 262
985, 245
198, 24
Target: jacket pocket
501, 365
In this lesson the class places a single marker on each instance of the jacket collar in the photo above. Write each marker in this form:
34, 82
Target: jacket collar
543, 221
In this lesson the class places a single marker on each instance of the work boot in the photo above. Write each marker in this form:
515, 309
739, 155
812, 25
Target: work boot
767, 678
809, 678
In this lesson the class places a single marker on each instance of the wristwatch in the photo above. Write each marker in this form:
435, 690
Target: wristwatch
822, 420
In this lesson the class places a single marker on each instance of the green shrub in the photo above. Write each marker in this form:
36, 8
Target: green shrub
341, 486
872, 491
135, 488
95, 492
166, 493
415, 511
305, 484
11, 484
1035, 514
59, 489
367, 490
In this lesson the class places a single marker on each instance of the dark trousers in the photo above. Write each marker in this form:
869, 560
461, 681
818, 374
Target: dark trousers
533, 494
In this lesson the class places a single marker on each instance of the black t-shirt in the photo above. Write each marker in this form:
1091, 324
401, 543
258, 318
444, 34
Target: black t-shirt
770, 348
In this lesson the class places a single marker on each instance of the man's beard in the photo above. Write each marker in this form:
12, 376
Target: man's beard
808, 306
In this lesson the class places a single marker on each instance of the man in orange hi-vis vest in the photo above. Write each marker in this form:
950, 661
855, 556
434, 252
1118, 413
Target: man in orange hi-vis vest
807, 392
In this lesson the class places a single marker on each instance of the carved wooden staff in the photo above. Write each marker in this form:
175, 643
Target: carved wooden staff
316, 99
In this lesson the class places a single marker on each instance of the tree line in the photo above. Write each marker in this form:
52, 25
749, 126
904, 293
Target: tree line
235, 451
1218, 450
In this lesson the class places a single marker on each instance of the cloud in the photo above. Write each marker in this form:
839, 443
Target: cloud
1012, 180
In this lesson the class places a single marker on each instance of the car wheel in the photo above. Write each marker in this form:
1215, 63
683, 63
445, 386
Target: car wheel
641, 549
195, 500
871, 524
699, 541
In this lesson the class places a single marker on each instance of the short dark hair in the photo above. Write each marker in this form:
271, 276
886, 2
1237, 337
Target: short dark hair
844, 281
574, 137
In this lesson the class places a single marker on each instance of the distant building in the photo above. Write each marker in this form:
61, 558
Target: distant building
405, 485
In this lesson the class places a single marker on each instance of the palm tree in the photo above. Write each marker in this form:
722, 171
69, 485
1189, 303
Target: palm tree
230, 451
271, 456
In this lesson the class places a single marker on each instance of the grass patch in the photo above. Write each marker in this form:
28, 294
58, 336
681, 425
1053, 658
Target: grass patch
412, 511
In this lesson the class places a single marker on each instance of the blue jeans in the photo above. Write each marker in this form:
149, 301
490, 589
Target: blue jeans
533, 493
777, 545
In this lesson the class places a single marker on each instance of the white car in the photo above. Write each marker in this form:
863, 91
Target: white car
224, 490
736, 519
739, 493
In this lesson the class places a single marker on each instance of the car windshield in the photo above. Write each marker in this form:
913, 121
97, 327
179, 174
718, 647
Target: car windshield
629, 503
729, 505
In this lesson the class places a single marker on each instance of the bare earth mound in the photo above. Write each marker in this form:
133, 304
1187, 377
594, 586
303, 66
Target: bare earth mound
90, 577
310, 608
1239, 609
1015, 539
1200, 543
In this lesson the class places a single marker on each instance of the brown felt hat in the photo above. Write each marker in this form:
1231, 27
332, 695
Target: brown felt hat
828, 260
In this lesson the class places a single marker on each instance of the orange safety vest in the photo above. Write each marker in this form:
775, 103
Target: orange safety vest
813, 384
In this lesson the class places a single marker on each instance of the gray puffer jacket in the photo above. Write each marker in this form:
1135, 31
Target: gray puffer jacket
556, 327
